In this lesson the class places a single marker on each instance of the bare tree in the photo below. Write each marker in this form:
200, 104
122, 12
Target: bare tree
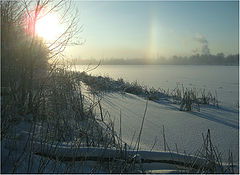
23, 53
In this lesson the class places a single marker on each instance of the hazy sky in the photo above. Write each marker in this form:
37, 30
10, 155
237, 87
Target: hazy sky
128, 29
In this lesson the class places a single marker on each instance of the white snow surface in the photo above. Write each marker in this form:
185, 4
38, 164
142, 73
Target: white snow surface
69, 151
183, 129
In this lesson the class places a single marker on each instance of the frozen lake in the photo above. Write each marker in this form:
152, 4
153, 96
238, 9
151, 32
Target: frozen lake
223, 79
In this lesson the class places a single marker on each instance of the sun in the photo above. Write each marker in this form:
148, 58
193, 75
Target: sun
48, 27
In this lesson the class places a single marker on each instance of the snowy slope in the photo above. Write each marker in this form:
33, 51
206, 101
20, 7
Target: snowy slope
182, 128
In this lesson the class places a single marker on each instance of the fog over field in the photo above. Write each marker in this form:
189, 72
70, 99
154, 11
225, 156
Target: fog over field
219, 59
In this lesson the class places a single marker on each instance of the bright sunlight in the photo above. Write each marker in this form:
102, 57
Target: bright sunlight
48, 27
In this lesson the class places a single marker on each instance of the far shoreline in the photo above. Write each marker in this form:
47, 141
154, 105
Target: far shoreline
154, 64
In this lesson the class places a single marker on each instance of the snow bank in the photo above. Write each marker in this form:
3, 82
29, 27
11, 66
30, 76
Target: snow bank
183, 129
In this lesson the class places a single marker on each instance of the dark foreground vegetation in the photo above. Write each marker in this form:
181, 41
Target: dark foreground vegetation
47, 124
42, 105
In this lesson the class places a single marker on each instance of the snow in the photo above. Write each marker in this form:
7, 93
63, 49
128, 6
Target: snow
183, 132
101, 152
48, 166
183, 129
222, 79
63, 150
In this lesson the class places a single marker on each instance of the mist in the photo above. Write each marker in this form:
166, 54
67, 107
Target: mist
196, 59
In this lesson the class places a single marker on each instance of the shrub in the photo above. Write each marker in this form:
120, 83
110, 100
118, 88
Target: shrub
188, 101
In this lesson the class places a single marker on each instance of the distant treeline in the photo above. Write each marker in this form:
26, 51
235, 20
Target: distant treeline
218, 59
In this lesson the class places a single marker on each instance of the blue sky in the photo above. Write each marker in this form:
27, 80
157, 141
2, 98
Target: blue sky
141, 29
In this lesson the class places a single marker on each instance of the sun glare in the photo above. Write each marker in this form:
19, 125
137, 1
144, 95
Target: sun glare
48, 27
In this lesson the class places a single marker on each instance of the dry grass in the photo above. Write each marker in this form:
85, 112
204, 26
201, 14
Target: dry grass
61, 113
188, 99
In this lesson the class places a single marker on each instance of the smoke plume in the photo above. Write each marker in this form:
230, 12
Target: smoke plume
203, 44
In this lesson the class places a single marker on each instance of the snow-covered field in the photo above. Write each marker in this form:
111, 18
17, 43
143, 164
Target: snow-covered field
40, 162
183, 129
